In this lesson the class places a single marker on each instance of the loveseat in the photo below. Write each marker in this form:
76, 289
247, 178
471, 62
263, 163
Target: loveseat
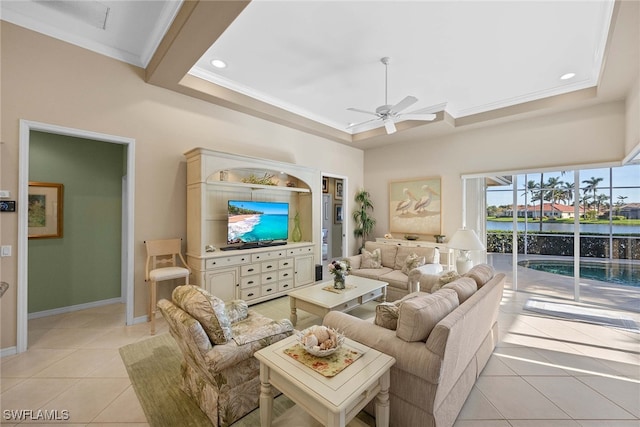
441, 343
396, 265
218, 340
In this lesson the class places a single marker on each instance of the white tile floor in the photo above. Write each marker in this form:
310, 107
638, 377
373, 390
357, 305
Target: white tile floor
544, 372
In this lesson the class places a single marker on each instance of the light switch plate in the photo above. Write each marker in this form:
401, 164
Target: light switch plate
4, 194
5, 251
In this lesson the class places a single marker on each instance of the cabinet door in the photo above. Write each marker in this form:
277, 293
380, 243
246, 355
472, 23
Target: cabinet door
304, 270
222, 283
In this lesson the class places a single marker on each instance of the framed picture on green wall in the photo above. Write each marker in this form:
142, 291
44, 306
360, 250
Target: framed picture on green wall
45, 210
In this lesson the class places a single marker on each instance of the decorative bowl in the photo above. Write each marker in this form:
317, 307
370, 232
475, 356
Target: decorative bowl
411, 237
315, 348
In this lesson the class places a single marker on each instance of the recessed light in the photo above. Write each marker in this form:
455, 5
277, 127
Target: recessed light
218, 63
567, 76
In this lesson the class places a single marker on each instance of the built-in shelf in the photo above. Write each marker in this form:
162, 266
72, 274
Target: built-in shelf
258, 186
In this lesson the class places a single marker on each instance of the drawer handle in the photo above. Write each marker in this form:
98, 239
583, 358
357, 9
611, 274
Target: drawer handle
346, 305
285, 263
250, 282
285, 274
269, 266
269, 290
285, 286
251, 269
250, 295
269, 278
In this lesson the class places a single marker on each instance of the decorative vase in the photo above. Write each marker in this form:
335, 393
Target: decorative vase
296, 234
338, 281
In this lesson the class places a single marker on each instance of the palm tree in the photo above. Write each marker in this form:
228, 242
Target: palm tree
620, 203
363, 223
567, 192
592, 185
554, 194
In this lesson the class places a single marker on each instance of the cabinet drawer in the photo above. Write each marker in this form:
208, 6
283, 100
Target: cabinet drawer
249, 281
371, 295
348, 305
269, 289
285, 263
266, 278
300, 251
268, 266
285, 274
247, 270
249, 293
285, 285
226, 261
263, 256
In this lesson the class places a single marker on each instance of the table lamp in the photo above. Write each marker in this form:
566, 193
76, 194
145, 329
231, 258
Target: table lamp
465, 240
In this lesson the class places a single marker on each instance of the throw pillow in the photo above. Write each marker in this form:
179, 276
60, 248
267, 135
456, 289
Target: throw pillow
387, 315
464, 287
448, 277
371, 259
418, 316
412, 261
206, 309
237, 310
481, 273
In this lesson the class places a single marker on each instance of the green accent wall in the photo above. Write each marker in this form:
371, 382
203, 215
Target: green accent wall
84, 265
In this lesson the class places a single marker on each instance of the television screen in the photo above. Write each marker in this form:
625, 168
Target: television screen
257, 221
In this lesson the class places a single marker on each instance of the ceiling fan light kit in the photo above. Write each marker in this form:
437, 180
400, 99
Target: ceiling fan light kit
390, 114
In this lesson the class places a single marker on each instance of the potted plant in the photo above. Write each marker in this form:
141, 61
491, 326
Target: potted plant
363, 222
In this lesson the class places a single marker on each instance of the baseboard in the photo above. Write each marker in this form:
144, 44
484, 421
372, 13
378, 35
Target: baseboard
73, 308
9, 351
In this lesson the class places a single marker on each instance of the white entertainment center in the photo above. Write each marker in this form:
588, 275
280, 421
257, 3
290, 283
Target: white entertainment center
257, 273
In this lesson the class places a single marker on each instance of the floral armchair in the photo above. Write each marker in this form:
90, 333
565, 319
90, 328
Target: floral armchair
218, 341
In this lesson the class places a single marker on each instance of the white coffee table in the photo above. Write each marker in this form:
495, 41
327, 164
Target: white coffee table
319, 301
333, 401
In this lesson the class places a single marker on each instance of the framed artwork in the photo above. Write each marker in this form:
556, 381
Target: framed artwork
338, 215
415, 206
339, 189
45, 210
325, 184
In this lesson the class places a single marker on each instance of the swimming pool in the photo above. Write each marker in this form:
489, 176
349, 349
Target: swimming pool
612, 272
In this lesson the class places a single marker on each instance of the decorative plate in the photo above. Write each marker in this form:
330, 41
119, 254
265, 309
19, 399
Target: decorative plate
310, 337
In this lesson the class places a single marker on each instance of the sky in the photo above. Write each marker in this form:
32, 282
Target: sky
621, 177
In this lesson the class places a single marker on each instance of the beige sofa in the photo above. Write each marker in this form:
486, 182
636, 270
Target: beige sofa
218, 340
433, 376
389, 266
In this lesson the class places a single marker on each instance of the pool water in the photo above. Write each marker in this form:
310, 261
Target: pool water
612, 272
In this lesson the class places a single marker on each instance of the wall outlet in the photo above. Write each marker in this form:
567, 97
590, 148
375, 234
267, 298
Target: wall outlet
5, 251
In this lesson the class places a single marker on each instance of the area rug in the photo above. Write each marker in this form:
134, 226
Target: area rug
578, 313
153, 366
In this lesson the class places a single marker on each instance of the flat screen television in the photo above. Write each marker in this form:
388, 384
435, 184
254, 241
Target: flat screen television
257, 222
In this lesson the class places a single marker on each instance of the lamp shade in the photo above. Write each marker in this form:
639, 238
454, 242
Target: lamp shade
466, 239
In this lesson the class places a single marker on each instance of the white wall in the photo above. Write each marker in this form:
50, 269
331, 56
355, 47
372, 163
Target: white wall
577, 137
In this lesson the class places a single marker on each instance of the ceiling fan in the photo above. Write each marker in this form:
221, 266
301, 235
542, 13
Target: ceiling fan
390, 114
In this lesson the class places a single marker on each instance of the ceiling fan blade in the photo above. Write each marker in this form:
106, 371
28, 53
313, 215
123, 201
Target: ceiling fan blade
432, 109
362, 111
355, 125
414, 116
389, 126
405, 103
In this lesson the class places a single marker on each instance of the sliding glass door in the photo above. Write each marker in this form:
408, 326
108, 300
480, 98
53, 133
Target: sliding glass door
575, 233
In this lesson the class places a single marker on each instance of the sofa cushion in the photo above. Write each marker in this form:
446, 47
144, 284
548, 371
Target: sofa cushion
464, 287
396, 279
372, 273
412, 261
481, 273
236, 310
209, 310
444, 278
418, 316
429, 255
388, 252
387, 315
371, 259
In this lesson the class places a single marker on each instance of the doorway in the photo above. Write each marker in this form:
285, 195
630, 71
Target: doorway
334, 206
126, 243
